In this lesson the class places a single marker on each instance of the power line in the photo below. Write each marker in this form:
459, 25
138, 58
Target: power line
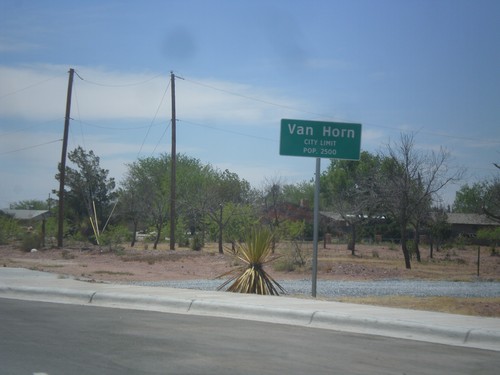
118, 85
27, 127
161, 137
227, 130
30, 147
251, 97
79, 117
28, 87
117, 128
327, 116
154, 118
128, 128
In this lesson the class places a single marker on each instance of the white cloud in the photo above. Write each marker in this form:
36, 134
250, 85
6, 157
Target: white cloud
39, 92
28, 173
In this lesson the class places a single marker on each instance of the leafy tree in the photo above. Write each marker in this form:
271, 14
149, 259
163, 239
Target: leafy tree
88, 189
225, 193
470, 199
200, 192
235, 218
132, 207
146, 188
31, 204
480, 198
349, 188
491, 203
193, 181
301, 193
491, 235
9, 228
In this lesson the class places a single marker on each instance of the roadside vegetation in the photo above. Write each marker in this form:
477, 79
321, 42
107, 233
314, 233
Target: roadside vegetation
389, 201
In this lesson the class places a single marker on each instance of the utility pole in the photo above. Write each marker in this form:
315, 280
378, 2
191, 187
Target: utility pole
173, 167
62, 171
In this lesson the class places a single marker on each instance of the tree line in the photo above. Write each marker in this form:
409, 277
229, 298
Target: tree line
400, 184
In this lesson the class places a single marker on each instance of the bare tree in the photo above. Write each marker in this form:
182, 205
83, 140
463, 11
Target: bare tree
411, 180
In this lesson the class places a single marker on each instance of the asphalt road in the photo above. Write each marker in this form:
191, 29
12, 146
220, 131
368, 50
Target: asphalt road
53, 339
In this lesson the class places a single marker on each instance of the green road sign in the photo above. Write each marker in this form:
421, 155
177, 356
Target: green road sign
319, 139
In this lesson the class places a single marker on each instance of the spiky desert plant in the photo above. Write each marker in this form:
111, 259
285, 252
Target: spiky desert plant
251, 277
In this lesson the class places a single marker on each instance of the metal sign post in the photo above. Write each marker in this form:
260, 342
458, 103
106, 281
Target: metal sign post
319, 139
315, 227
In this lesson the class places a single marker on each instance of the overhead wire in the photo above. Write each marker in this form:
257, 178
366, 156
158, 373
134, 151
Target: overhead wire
5, 133
154, 118
226, 91
161, 137
226, 130
30, 147
28, 87
118, 85
75, 94
327, 116
250, 97
88, 196
118, 128
130, 128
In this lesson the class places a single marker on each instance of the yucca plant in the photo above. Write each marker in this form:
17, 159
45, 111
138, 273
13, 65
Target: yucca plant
250, 277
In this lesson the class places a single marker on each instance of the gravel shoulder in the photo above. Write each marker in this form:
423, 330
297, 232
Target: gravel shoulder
338, 288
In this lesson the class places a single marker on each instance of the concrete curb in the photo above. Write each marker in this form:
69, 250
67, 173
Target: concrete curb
61, 295
249, 309
141, 302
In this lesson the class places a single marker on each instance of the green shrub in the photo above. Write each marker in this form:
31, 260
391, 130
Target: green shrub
491, 236
284, 265
411, 246
30, 241
197, 242
461, 242
114, 237
9, 229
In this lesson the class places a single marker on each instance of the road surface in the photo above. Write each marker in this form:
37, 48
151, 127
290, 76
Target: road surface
60, 339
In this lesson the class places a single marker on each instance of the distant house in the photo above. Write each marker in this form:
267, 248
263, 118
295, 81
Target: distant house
288, 211
338, 225
27, 216
465, 225
468, 224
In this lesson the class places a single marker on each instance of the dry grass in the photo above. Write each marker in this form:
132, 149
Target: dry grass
336, 262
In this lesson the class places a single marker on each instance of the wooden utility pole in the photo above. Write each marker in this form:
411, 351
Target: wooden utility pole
62, 171
173, 167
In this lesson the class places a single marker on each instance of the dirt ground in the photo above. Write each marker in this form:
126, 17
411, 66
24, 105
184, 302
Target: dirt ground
335, 262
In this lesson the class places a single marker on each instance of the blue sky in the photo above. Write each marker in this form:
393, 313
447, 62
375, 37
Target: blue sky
428, 67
